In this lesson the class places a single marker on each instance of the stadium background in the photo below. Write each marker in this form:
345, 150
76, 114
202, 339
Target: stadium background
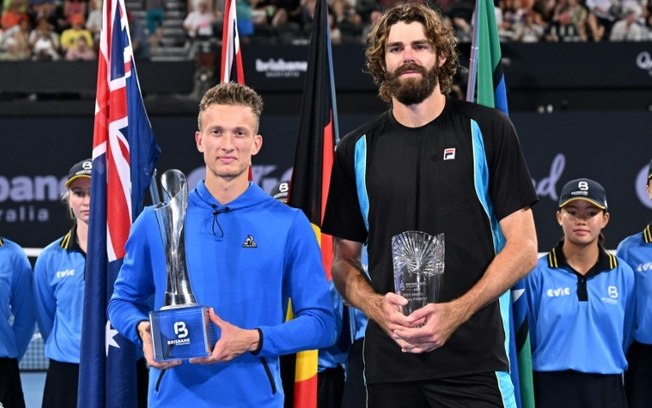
579, 109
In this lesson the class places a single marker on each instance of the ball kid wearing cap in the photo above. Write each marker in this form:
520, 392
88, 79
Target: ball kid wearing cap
580, 307
59, 292
636, 250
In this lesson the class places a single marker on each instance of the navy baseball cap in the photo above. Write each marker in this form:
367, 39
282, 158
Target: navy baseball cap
583, 189
79, 170
281, 191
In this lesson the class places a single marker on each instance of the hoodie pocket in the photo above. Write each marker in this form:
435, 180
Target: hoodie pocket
268, 373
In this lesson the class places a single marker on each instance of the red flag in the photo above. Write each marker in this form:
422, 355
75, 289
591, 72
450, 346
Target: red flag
312, 168
231, 67
124, 156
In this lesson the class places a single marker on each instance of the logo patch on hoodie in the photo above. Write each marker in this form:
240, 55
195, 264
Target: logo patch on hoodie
249, 242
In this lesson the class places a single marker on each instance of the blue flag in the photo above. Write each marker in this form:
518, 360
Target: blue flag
124, 156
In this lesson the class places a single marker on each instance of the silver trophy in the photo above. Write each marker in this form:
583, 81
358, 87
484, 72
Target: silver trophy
418, 268
181, 329
171, 216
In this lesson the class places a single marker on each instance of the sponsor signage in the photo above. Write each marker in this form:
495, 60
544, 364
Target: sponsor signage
282, 67
612, 148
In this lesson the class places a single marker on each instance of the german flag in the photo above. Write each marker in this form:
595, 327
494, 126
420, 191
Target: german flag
311, 175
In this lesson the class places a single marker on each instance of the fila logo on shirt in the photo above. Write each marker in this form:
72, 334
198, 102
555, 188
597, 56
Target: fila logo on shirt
558, 292
65, 273
449, 153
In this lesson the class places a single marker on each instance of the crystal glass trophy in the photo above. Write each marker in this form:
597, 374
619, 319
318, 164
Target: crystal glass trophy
181, 329
418, 268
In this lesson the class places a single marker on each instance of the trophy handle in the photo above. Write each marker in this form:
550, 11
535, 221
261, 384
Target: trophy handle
171, 215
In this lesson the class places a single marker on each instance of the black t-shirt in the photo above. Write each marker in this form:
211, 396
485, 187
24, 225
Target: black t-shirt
459, 175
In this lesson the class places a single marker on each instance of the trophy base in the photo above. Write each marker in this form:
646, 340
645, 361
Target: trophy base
182, 333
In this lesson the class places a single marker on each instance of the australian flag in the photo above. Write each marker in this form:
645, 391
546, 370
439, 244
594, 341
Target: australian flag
124, 156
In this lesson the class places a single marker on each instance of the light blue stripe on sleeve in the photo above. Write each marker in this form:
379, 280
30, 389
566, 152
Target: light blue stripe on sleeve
360, 166
506, 389
481, 183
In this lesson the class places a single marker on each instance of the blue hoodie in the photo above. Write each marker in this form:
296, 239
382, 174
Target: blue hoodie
16, 301
244, 259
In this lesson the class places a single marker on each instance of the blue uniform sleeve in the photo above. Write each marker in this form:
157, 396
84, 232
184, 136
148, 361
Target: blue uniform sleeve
532, 296
130, 303
305, 282
22, 304
630, 305
44, 299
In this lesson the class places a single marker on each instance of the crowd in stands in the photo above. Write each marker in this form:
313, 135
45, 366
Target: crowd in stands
53, 30
69, 29
517, 20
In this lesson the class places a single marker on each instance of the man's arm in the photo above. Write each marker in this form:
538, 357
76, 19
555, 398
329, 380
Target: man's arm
352, 283
516, 259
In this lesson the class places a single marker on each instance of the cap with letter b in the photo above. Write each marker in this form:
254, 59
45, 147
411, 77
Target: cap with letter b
583, 189
80, 169
281, 191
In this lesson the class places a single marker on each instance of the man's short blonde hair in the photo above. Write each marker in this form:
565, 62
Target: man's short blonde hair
231, 93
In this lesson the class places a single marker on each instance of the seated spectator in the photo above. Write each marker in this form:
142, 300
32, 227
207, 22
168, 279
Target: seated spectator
287, 11
244, 15
23, 5
154, 15
72, 7
13, 15
50, 11
69, 36
628, 28
364, 8
347, 22
600, 18
199, 22
373, 17
139, 39
14, 46
648, 25
513, 14
460, 13
569, 22
82, 50
531, 29
18, 36
44, 42
94, 20
546, 9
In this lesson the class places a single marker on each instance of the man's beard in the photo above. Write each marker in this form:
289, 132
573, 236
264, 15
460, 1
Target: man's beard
410, 91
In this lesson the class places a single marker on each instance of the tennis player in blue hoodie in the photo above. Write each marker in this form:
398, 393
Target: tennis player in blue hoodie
246, 253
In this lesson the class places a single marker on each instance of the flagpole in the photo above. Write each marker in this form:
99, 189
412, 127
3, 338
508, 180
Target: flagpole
153, 189
473, 60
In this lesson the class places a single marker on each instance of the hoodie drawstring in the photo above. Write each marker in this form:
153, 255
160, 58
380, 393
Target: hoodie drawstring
216, 212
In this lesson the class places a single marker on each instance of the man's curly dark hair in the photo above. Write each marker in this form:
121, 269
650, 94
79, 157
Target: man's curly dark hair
438, 30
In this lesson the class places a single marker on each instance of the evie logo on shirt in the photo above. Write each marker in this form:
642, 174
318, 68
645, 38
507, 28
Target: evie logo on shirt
558, 292
65, 273
644, 267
